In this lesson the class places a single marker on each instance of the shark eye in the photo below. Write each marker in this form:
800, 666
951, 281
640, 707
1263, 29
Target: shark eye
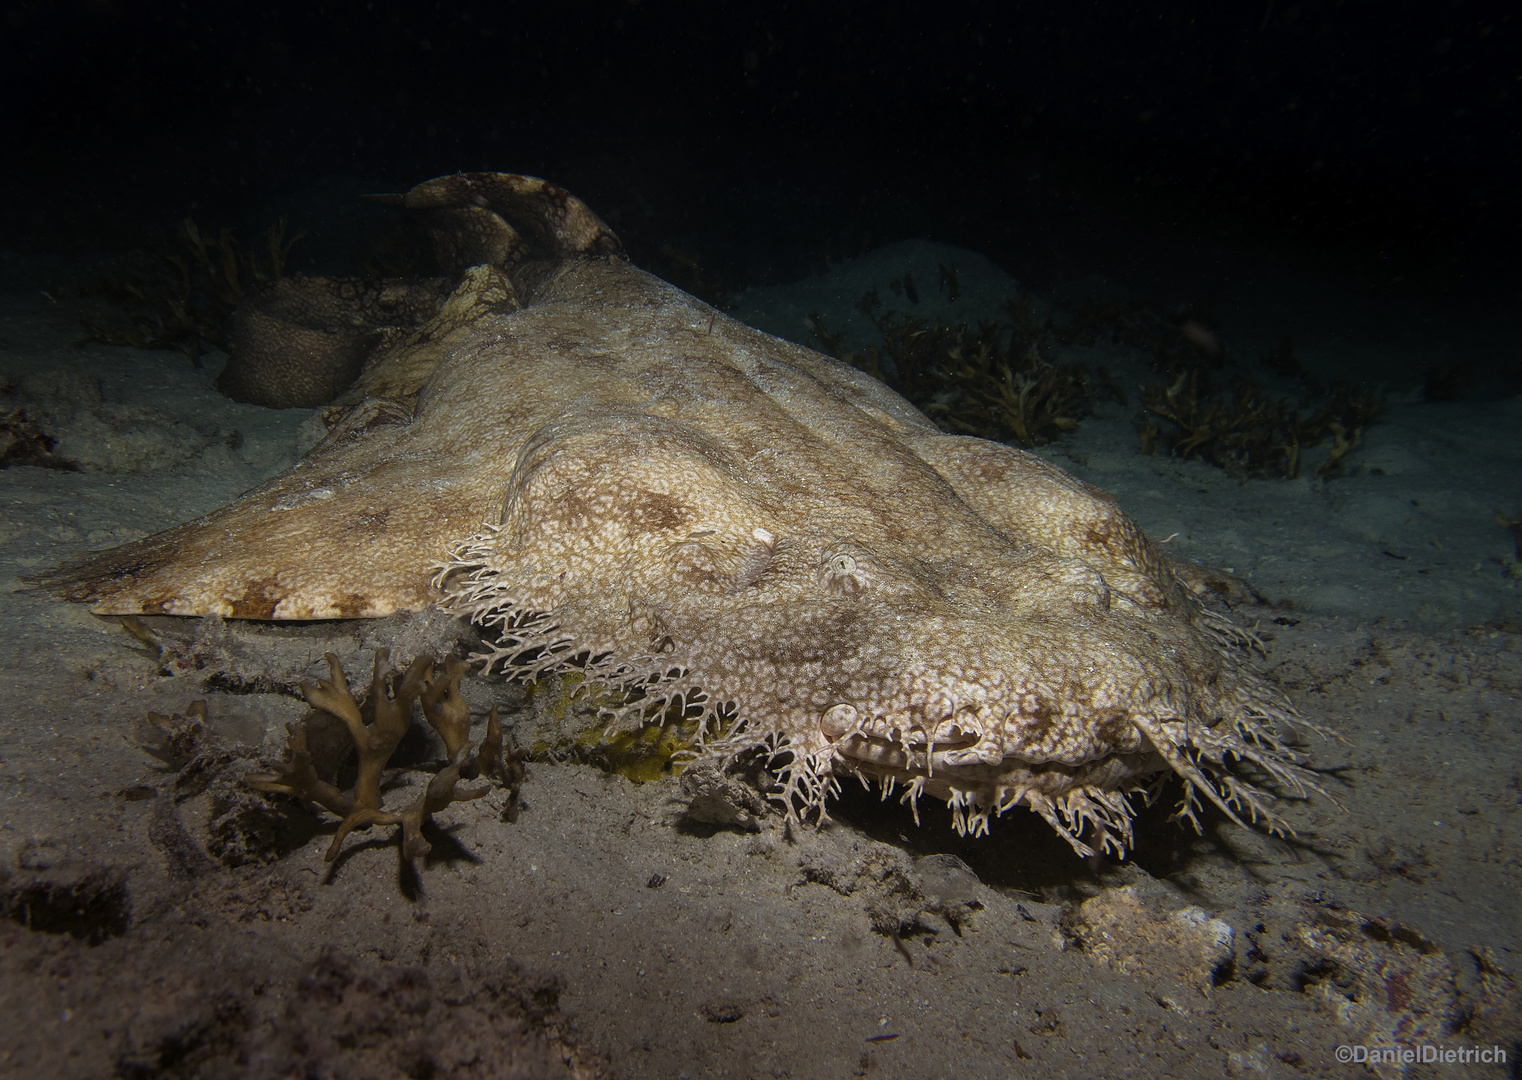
845, 574
838, 720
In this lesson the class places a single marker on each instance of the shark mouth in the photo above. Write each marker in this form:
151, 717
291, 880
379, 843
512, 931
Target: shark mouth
961, 760
1086, 803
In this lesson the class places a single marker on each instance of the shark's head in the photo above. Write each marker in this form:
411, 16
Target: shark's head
844, 603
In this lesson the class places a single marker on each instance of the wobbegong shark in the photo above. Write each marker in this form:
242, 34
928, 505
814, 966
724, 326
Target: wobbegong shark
608, 476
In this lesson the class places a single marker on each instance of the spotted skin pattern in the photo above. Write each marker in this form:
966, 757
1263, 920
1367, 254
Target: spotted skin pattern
707, 522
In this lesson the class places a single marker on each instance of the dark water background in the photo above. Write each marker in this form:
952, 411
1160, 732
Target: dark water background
1378, 142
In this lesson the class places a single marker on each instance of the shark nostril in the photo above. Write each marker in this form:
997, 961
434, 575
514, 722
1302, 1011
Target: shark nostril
837, 720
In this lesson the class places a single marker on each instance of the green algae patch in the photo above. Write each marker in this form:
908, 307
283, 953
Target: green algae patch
567, 719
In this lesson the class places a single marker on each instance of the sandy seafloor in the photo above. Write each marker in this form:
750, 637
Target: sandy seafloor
604, 932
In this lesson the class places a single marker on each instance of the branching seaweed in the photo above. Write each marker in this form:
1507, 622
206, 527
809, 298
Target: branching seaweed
376, 728
992, 382
182, 296
1248, 432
